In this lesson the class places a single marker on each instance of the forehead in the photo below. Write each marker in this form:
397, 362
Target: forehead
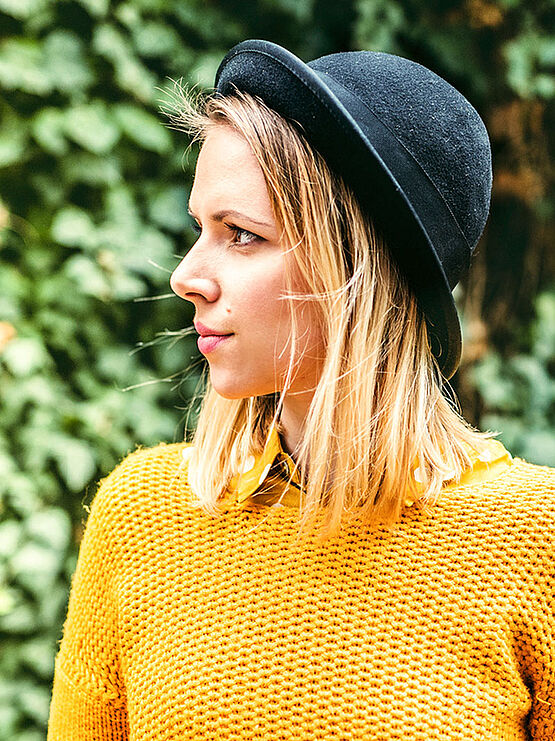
228, 170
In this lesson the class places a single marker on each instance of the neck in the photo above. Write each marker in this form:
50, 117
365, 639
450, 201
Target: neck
292, 421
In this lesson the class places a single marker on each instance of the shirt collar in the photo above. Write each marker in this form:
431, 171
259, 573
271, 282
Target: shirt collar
256, 469
274, 463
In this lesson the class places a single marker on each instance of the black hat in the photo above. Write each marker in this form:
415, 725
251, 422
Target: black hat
413, 149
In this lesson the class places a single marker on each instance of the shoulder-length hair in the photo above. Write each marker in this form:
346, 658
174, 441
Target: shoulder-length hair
380, 428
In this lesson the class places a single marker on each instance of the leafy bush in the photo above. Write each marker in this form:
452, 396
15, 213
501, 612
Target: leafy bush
519, 392
93, 193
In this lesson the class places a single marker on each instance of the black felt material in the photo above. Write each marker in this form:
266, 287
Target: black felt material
411, 146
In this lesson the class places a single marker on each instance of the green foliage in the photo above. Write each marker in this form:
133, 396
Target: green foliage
92, 216
519, 393
530, 61
93, 193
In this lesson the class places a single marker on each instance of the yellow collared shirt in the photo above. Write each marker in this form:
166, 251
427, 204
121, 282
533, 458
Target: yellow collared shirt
262, 477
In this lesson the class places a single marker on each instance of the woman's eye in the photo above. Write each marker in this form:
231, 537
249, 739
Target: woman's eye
242, 236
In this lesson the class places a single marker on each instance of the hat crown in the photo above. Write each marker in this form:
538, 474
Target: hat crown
432, 120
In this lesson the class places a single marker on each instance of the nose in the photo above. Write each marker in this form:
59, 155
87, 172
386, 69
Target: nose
191, 281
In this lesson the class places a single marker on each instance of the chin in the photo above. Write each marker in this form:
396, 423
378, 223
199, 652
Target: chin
230, 394
232, 387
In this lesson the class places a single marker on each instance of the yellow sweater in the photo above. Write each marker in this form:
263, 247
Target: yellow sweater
181, 626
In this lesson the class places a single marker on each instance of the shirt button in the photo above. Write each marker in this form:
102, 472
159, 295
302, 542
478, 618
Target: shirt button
248, 465
264, 473
418, 475
486, 456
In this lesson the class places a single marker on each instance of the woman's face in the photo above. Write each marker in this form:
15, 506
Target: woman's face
235, 276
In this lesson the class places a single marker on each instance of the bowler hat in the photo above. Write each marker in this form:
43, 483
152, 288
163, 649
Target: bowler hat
412, 148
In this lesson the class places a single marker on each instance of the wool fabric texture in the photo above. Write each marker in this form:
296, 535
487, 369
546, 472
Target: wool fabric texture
185, 626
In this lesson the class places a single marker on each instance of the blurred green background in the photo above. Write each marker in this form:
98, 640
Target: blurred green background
93, 193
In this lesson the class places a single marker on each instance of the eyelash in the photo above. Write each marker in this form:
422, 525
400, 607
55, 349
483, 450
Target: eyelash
236, 229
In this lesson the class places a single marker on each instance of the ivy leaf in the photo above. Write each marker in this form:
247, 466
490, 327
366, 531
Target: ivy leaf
22, 493
544, 328
13, 139
22, 9
37, 655
300, 10
97, 8
379, 24
152, 248
92, 126
497, 388
10, 536
74, 227
75, 461
48, 130
22, 67
22, 619
50, 527
125, 286
130, 73
154, 39
36, 567
539, 447
204, 69
87, 276
65, 61
167, 207
121, 207
142, 127
34, 701
525, 56
84, 167
7, 604
25, 355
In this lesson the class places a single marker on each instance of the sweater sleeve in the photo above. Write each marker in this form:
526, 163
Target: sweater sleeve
541, 666
536, 634
88, 698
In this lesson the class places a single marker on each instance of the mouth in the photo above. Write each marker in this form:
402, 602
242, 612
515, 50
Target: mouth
208, 343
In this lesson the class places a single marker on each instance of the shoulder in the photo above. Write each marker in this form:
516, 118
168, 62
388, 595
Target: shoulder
148, 464
146, 477
532, 496
516, 507
521, 484
526, 487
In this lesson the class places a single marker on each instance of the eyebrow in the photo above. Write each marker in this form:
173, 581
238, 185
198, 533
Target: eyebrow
221, 215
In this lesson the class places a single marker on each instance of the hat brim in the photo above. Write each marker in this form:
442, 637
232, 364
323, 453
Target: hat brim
297, 92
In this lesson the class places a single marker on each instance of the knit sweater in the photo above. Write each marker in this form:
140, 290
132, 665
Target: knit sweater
184, 626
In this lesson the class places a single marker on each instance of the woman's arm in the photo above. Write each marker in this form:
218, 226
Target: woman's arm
535, 645
88, 700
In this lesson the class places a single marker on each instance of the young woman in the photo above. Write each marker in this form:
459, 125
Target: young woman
338, 554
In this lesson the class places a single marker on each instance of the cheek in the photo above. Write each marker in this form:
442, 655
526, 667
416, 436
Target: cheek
269, 320
271, 345
261, 321
257, 299
309, 333
263, 318
263, 305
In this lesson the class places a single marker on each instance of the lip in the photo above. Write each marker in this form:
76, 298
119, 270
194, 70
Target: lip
205, 331
207, 343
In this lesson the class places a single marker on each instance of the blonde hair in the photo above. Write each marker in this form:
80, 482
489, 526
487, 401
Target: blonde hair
378, 411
